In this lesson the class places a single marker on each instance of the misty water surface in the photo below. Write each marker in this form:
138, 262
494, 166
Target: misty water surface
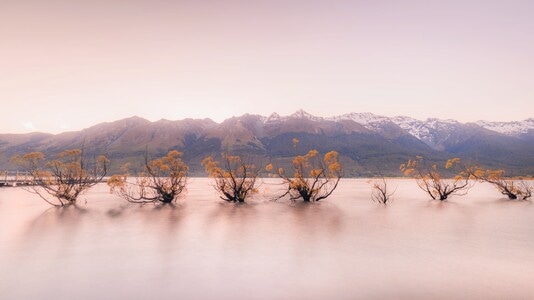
479, 246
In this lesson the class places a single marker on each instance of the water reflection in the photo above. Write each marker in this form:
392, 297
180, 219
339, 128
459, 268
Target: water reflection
346, 247
158, 223
54, 215
66, 219
231, 214
312, 219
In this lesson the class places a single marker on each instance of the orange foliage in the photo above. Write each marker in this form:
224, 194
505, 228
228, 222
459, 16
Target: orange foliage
513, 189
60, 181
162, 180
432, 182
236, 179
314, 178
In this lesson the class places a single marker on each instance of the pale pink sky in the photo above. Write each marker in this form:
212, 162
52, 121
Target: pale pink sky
65, 65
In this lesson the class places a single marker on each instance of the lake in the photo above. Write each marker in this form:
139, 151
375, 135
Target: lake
479, 246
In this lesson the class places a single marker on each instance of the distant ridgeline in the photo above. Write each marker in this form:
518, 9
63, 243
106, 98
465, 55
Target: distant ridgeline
366, 142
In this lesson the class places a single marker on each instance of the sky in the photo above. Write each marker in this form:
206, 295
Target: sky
67, 65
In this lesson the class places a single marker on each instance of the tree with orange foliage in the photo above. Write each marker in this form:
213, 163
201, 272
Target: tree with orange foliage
314, 178
513, 189
235, 180
431, 180
59, 182
162, 180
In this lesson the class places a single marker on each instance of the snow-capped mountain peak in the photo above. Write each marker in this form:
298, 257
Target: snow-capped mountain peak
362, 118
430, 131
301, 114
514, 128
274, 117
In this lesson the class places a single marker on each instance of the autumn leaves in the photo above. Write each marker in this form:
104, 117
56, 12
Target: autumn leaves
312, 178
234, 178
309, 177
162, 180
60, 181
456, 178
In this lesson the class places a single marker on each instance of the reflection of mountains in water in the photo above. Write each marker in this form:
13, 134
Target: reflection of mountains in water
365, 141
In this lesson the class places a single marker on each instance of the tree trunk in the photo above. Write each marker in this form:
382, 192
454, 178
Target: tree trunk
167, 198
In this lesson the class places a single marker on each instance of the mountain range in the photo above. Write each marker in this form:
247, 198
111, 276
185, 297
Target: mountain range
365, 141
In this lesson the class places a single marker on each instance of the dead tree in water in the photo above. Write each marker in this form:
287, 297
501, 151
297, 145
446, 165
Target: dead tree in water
162, 180
380, 192
60, 181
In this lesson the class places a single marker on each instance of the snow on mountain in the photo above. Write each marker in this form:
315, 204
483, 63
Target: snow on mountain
514, 128
365, 138
362, 118
274, 117
432, 131
368, 120
413, 126
299, 114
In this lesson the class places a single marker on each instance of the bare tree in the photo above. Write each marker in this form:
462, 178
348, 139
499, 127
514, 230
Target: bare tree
314, 178
162, 180
513, 189
380, 192
430, 179
235, 180
60, 181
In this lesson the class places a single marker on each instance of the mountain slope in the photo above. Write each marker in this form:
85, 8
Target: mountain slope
364, 140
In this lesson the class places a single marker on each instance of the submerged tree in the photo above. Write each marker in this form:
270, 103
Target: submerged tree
513, 189
381, 193
431, 180
60, 181
162, 180
235, 180
314, 178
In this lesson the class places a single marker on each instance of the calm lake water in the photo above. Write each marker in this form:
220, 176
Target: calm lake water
478, 246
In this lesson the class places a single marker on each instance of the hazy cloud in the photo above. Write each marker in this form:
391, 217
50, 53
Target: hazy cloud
28, 125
